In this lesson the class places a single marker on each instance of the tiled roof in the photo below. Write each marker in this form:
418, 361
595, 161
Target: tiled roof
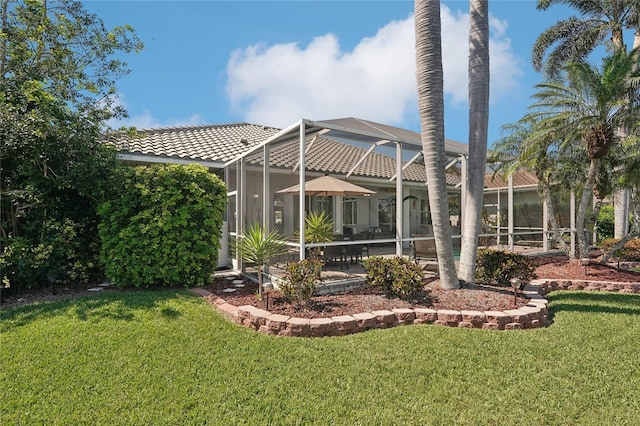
224, 142
331, 156
217, 143
520, 178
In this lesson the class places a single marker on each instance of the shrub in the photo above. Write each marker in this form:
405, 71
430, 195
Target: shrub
630, 252
498, 267
162, 227
396, 277
58, 253
606, 222
300, 280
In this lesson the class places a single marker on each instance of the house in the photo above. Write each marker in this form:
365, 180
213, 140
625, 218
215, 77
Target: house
258, 161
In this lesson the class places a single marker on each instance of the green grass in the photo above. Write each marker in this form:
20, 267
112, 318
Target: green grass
168, 358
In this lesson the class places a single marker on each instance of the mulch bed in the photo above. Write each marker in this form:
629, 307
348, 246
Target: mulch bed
478, 297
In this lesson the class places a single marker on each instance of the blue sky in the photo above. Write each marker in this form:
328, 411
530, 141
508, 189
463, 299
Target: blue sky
274, 62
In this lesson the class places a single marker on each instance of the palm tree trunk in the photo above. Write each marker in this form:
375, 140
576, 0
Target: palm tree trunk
633, 232
478, 128
620, 212
587, 192
429, 79
557, 235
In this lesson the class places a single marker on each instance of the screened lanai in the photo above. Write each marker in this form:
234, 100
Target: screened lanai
384, 159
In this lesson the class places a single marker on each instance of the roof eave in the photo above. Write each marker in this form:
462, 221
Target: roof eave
157, 159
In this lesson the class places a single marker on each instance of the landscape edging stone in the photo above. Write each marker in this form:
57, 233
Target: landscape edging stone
533, 315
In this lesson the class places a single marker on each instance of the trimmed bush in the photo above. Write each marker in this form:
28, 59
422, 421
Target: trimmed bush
300, 280
396, 277
498, 267
630, 252
162, 227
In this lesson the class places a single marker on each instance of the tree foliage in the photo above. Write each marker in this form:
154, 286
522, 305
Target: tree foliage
572, 40
58, 68
573, 123
161, 226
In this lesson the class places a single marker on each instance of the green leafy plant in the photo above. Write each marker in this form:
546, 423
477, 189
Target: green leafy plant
318, 228
396, 277
605, 223
59, 65
498, 267
57, 255
256, 245
162, 226
300, 280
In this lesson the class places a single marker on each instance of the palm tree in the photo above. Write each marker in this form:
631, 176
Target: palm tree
586, 107
574, 39
478, 125
429, 79
256, 245
627, 176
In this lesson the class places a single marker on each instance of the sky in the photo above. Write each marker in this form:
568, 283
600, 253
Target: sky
275, 62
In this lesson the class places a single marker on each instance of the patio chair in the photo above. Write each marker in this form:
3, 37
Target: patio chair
355, 252
364, 248
425, 249
335, 254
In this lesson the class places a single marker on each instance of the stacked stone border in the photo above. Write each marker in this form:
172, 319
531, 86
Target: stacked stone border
533, 315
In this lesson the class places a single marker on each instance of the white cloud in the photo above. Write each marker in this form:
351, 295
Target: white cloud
146, 120
281, 83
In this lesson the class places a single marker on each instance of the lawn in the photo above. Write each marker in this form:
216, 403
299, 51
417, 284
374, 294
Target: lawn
165, 357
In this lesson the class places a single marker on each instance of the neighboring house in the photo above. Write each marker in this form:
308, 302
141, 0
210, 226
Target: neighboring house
351, 149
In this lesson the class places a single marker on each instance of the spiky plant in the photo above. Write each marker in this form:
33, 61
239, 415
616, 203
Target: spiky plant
318, 228
256, 245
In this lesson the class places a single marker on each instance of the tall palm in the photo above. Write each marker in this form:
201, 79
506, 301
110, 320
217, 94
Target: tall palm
573, 39
429, 79
478, 127
625, 176
586, 107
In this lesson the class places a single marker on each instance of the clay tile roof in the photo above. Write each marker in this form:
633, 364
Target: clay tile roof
218, 143
224, 142
331, 156
520, 178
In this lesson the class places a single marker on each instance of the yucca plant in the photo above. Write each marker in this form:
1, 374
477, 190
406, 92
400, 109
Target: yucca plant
256, 245
318, 228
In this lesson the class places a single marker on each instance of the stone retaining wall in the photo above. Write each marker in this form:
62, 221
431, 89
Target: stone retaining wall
533, 315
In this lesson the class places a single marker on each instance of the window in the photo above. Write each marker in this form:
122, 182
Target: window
425, 213
386, 215
349, 211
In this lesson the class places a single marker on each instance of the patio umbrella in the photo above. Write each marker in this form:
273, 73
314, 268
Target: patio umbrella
328, 185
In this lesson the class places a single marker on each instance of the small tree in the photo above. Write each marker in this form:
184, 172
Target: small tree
58, 67
256, 245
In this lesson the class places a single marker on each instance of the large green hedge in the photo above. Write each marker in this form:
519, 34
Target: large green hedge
162, 227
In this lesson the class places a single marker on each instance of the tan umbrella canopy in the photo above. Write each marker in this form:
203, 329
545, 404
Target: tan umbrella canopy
328, 185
